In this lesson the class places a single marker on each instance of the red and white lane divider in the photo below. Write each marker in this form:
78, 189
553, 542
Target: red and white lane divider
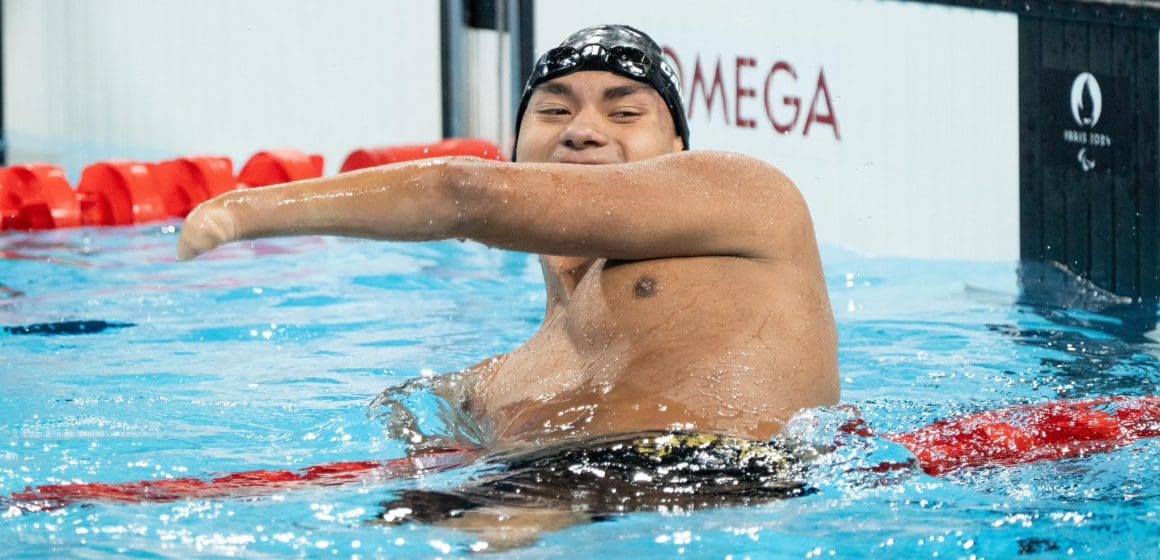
118, 193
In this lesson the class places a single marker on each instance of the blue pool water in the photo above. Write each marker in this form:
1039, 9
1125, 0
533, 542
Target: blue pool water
265, 356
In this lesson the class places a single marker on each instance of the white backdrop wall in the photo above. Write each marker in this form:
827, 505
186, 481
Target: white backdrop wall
904, 138
87, 80
915, 152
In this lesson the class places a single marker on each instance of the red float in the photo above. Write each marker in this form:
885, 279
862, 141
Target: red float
1025, 434
371, 157
241, 484
279, 166
187, 182
119, 193
36, 196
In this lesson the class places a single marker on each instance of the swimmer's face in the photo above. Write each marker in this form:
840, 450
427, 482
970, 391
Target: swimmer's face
593, 118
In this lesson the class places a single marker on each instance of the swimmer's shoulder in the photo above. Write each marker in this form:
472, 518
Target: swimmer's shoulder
729, 165
747, 186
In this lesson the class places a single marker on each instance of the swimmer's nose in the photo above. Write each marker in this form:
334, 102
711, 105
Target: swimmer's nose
584, 132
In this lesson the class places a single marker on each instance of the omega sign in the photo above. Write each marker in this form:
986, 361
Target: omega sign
744, 92
1087, 106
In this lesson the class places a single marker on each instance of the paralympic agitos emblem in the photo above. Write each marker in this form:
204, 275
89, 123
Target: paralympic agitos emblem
1087, 104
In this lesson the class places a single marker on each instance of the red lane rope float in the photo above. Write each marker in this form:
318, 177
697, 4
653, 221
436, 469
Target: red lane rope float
1025, 434
1008, 436
279, 166
242, 484
36, 197
372, 157
187, 182
119, 193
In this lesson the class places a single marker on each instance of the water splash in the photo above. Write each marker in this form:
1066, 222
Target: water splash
427, 412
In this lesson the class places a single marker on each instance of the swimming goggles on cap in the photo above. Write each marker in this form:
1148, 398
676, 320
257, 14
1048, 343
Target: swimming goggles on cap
629, 61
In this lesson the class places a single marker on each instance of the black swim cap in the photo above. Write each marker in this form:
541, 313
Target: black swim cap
619, 49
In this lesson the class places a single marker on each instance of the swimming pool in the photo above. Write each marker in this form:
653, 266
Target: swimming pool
234, 362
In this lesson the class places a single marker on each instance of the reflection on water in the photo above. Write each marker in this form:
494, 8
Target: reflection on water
1062, 296
6, 292
65, 328
1101, 342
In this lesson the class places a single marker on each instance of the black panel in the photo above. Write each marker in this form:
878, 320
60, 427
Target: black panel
1075, 181
1031, 205
1054, 232
1101, 244
1089, 155
1147, 117
481, 14
1125, 258
1123, 13
527, 41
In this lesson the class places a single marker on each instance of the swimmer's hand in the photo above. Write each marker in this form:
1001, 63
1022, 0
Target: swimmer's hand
209, 226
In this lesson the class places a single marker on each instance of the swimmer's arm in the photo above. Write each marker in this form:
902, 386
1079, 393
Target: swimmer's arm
400, 202
679, 205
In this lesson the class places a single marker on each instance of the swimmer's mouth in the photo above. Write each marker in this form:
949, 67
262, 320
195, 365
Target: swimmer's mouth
584, 161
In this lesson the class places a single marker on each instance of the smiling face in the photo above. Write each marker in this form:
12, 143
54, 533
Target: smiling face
594, 118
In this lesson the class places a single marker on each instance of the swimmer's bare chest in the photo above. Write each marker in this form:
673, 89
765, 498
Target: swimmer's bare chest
700, 343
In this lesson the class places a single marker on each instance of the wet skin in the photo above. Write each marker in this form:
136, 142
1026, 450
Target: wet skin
684, 289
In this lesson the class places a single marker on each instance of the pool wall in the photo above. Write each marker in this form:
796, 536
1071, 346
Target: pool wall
898, 121
105, 79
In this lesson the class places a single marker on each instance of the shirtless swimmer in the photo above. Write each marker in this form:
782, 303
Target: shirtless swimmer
684, 289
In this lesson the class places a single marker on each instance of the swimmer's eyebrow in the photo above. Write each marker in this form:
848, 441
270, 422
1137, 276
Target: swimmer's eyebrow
610, 94
623, 91
556, 88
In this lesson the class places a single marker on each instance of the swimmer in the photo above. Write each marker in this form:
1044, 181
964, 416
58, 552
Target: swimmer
684, 288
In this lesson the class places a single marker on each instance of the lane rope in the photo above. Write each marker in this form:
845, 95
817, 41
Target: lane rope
1008, 436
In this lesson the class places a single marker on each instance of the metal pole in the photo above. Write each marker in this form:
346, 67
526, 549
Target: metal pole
3, 136
502, 29
451, 29
521, 52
